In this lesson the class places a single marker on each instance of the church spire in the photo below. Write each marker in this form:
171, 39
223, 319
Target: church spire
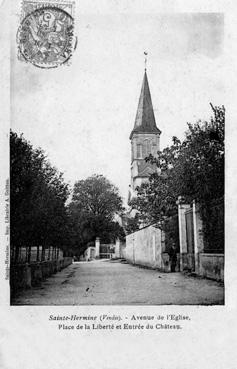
145, 118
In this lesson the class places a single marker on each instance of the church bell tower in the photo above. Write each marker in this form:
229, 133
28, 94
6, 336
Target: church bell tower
145, 138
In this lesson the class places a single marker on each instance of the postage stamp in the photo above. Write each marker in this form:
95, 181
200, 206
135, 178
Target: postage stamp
45, 36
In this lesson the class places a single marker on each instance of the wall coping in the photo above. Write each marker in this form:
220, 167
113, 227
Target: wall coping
154, 225
208, 254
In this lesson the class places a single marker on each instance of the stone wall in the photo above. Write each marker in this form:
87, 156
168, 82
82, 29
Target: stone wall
187, 262
146, 247
211, 266
30, 275
89, 254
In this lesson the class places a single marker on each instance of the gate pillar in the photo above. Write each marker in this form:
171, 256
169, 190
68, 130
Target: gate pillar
182, 208
198, 237
97, 248
117, 248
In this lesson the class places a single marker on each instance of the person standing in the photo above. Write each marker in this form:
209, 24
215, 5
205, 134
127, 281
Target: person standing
173, 257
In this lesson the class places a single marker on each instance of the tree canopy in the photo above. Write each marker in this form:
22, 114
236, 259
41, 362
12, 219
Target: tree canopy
95, 202
96, 195
38, 196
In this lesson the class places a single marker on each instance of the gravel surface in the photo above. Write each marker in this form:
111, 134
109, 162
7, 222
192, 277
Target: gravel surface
105, 282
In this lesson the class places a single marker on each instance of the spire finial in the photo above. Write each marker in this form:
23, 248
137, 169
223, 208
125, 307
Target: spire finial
145, 53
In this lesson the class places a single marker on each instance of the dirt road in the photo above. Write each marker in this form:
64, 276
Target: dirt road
105, 282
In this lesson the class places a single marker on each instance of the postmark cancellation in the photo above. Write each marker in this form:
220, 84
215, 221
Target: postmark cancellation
45, 36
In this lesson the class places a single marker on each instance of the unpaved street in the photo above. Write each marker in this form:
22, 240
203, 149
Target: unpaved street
105, 282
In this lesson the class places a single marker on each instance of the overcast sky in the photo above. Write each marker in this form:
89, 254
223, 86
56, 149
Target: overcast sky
82, 114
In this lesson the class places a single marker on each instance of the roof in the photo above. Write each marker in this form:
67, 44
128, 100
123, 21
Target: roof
145, 119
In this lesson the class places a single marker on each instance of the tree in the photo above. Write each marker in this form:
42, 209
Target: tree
95, 202
38, 196
132, 224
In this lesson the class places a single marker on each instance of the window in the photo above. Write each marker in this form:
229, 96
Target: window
146, 148
154, 149
139, 151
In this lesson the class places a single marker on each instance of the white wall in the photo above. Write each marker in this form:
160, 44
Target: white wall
145, 247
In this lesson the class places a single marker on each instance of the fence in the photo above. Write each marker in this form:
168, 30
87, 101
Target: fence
201, 234
31, 254
107, 251
214, 227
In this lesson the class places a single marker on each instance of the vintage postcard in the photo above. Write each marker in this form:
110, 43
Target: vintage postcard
116, 201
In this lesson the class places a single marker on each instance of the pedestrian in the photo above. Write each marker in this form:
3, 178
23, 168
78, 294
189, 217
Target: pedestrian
173, 257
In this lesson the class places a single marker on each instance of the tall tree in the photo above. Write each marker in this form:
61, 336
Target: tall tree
38, 196
95, 202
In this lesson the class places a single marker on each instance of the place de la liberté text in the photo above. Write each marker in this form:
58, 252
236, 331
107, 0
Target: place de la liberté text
117, 322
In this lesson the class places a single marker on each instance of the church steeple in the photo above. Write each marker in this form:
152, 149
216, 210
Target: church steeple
145, 138
145, 118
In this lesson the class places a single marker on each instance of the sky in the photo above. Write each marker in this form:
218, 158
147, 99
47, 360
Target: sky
81, 115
